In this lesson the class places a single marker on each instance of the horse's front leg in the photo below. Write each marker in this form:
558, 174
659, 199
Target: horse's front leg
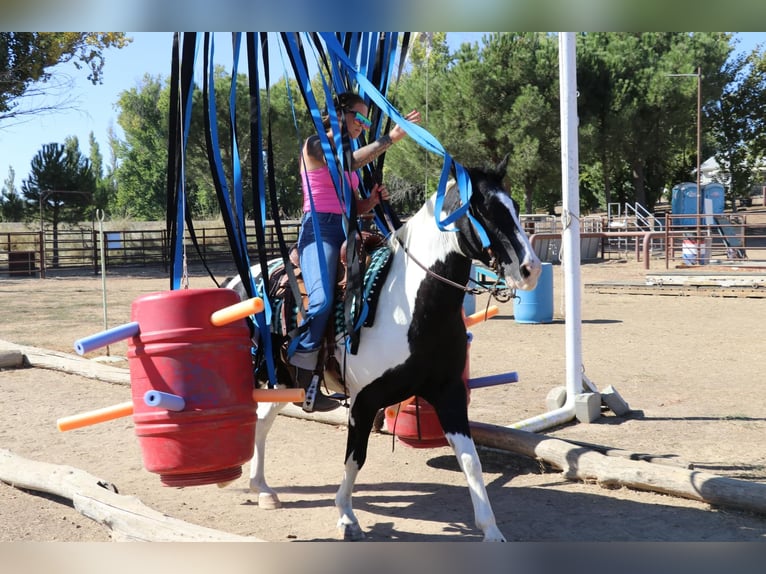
267, 497
360, 422
452, 408
468, 459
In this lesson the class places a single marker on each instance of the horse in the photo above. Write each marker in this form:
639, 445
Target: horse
418, 340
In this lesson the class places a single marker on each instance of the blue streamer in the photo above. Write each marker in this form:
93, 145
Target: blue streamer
423, 138
181, 190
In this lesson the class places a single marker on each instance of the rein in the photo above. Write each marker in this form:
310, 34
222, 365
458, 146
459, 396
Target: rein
495, 290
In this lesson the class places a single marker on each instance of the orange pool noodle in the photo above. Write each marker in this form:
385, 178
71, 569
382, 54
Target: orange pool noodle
279, 395
237, 311
480, 316
94, 417
391, 410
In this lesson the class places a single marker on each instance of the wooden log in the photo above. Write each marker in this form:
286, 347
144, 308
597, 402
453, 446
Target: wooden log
11, 359
67, 363
581, 463
622, 453
126, 516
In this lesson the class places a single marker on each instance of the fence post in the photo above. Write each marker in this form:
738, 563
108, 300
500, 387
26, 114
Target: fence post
42, 253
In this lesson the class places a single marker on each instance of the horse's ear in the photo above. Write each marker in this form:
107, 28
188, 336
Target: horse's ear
503, 165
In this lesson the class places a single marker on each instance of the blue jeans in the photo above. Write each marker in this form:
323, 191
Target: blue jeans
320, 291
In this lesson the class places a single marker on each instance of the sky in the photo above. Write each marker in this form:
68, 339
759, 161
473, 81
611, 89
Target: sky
149, 53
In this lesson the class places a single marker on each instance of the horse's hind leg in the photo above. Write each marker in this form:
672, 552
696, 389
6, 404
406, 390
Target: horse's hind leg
267, 497
453, 416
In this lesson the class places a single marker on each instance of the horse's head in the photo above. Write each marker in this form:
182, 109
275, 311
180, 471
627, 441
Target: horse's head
510, 251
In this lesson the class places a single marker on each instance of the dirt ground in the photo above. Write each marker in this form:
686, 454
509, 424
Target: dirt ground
692, 369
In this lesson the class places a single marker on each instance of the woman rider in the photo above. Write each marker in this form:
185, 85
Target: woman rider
328, 214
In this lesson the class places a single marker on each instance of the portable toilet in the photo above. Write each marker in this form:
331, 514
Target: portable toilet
714, 199
684, 201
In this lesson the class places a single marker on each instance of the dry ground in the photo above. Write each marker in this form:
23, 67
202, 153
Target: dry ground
691, 368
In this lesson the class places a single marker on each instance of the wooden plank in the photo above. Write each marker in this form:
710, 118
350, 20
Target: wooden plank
127, 517
73, 364
627, 288
707, 280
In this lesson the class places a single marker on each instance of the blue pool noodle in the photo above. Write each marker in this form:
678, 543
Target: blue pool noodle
162, 400
104, 338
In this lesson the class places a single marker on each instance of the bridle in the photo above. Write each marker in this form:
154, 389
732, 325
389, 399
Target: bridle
497, 290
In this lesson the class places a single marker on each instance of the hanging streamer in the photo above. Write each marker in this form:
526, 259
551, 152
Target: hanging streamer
181, 89
336, 54
424, 139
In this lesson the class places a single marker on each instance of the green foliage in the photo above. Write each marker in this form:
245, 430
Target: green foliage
12, 206
141, 177
30, 58
643, 118
483, 103
61, 184
737, 121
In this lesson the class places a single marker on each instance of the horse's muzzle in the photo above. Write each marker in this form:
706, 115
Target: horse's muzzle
529, 273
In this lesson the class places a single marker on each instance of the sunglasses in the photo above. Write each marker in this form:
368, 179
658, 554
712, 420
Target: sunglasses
362, 121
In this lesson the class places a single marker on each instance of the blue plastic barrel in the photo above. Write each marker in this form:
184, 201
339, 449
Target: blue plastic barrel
536, 306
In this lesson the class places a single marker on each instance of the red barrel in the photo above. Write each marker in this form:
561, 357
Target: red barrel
416, 424
179, 351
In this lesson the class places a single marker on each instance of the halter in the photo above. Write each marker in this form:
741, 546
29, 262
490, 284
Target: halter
501, 294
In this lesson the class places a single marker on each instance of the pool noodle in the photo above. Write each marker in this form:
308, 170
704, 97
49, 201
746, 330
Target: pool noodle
104, 338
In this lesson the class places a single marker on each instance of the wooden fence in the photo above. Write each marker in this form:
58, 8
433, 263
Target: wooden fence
37, 253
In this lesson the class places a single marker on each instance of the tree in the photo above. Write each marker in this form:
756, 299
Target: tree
105, 188
12, 206
486, 102
61, 183
641, 121
141, 176
29, 62
290, 125
737, 123
141, 172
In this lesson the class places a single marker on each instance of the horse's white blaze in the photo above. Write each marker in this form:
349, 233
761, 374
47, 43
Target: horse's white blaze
530, 260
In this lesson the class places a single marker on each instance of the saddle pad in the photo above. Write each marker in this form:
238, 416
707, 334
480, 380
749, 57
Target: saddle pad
374, 277
285, 309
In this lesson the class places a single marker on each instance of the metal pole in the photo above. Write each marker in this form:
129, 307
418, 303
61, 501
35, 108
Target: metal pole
698, 75
100, 217
43, 195
570, 241
699, 163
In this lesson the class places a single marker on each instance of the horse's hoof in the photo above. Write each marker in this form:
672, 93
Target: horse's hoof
269, 501
494, 535
351, 532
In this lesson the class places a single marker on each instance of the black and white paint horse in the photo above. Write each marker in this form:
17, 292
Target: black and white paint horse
417, 343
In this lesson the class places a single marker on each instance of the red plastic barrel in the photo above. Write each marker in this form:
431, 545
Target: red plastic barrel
179, 351
416, 424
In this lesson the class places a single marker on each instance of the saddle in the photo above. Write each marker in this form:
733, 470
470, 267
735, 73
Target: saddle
287, 312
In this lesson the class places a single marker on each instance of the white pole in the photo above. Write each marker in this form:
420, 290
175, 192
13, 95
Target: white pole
570, 240
100, 216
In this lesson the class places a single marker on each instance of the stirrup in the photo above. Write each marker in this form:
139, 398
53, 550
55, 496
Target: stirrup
315, 400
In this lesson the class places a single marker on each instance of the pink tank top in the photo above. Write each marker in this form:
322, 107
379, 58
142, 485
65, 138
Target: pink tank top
323, 190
